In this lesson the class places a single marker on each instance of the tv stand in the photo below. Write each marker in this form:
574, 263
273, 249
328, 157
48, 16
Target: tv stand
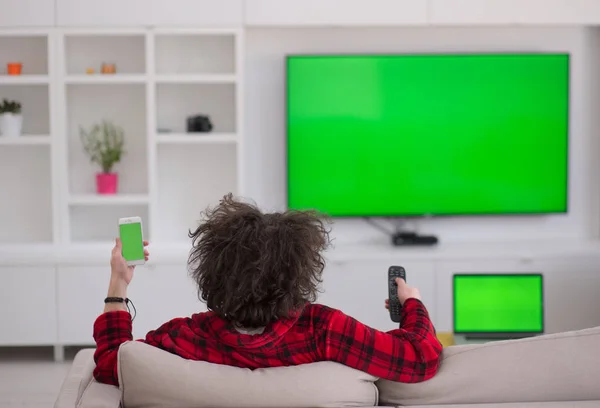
401, 236
413, 239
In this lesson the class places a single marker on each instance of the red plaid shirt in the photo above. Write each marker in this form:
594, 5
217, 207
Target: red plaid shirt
410, 354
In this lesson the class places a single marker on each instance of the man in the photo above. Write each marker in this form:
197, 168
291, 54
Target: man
259, 275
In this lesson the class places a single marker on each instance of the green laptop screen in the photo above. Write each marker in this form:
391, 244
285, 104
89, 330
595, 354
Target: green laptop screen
498, 304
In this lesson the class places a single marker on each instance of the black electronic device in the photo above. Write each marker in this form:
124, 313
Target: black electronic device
199, 124
413, 239
395, 306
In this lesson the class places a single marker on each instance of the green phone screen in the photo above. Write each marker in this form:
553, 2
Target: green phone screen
131, 238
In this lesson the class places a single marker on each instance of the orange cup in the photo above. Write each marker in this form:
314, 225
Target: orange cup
14, 68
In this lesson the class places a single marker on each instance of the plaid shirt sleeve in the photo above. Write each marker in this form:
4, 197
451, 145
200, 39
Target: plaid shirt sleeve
111, 329
410, 354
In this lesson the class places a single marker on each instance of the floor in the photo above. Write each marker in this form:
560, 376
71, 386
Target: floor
29, 378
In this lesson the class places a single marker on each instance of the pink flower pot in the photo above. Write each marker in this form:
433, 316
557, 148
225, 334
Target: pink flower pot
106, 183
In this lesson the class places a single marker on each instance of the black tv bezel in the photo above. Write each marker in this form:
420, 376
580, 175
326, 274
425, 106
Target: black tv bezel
498, 334
289, 57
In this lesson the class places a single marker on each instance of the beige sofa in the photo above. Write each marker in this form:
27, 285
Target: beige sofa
561, 370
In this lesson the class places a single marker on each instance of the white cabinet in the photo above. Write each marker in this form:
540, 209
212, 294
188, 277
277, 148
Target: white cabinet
583, 12
571, 286
359, 289
335, 12
81, 293
161, 293
106, 13
26, 13
28, 314
474, 12
197, 13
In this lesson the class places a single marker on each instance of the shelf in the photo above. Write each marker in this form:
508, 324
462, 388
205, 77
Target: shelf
176, 102
24, 79
205, 172
196, 138
26, 207
98, 223
197, 79
195, 53
26, 140
125, 106
31, 50
35, 100
176, 251
104, 200
84, 51
105, 79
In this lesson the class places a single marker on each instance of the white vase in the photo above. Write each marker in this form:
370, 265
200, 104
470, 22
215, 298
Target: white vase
11, 124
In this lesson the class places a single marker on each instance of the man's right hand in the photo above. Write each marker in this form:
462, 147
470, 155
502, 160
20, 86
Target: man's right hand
406, 292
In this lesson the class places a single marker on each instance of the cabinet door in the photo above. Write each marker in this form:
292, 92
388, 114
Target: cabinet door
579, 12
106, 13
162, 293
571, 286
335, 12
359, 289
27, 13
81, 293
28, 316
445, 271
479, 12
203, 13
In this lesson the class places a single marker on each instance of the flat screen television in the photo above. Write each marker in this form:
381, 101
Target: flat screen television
498, 305
412, 135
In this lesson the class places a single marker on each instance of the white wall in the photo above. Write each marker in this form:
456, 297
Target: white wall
265, 175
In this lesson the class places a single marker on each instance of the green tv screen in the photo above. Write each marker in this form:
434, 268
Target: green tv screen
428, 134
498, 304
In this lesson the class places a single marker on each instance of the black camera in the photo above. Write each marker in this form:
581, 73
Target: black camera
199, 123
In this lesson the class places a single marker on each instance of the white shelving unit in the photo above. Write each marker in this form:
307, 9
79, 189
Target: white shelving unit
27, 178
167, 176
193, 72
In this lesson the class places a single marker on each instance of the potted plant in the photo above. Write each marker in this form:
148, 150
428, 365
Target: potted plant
104, 143
11, 119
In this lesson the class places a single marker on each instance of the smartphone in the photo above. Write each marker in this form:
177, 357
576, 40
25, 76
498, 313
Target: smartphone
130, 231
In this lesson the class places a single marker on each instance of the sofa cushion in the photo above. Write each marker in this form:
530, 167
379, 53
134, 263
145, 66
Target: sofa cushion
97, 395
559, 367
80, 390
569, 404
150, 377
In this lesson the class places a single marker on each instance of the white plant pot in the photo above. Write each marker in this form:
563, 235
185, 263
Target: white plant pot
11, 124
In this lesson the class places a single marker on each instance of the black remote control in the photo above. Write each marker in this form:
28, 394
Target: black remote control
395, 306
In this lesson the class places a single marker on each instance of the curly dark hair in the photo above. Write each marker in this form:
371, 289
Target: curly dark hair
254, 268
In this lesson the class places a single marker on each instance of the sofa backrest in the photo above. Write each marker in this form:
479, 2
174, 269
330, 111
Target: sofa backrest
150, 377
560, 367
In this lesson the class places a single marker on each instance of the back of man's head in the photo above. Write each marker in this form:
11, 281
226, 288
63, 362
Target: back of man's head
254, 268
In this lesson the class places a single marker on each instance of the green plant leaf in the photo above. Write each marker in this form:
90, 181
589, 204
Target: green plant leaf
104, 144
